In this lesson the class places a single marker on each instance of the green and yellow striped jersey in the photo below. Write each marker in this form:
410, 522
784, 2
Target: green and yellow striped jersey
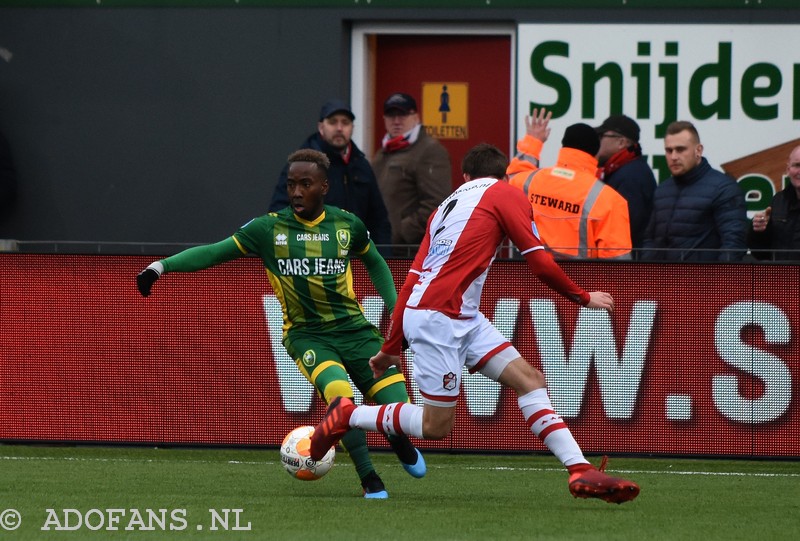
308, 263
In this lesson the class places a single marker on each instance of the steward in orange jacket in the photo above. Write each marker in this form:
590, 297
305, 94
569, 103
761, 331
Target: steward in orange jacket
577, 215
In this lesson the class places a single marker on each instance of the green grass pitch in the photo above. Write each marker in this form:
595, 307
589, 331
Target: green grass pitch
120, 492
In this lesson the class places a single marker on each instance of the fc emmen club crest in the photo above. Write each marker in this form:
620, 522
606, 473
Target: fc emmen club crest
343, 238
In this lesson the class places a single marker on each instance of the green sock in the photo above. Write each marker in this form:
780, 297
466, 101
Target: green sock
355, 443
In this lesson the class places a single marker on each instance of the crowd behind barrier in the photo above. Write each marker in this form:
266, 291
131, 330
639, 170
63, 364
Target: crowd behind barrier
397, 251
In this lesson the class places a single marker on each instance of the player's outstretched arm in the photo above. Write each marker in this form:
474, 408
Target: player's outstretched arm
548, 271
148, 277
190, 260
601, 300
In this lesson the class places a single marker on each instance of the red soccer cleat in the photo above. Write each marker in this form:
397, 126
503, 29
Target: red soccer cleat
593, 483
334, 425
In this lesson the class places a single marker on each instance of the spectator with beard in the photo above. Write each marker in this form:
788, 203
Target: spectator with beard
698, 213
351, 181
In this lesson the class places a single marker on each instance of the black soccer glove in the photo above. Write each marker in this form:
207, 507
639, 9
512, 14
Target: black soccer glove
146, 278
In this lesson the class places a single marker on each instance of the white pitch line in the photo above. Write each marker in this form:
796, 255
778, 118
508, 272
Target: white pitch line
146, 460
647, 472
721, 474
432, 466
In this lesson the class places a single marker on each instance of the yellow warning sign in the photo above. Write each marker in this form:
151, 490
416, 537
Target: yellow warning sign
444, 110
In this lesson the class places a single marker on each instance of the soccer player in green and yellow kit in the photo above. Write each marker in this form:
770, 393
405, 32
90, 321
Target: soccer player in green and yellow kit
306, 250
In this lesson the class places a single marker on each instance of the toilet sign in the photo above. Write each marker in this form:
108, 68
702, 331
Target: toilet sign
444, 109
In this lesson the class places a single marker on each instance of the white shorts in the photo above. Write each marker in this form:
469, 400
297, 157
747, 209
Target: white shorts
443, 346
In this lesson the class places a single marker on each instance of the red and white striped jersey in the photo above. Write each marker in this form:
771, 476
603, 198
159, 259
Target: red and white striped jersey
461, 242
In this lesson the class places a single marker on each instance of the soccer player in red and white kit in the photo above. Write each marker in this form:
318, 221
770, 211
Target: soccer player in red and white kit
437, 312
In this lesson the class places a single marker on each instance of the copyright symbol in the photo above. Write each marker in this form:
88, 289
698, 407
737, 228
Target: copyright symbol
10, 519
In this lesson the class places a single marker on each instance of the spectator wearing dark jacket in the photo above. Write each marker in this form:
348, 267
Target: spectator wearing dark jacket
775, 233
413, 171
351, 181
623, 167
698, 213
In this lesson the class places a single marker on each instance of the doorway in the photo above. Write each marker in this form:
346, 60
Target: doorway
461, 77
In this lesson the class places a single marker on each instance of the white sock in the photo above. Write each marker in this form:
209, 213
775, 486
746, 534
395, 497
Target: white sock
395, 419
549, 427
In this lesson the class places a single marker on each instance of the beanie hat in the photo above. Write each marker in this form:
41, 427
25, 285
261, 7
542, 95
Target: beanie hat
621, 124
582, 137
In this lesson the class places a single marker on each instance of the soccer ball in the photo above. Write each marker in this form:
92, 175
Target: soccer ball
295, 451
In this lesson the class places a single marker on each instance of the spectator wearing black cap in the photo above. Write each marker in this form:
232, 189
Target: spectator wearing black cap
623, 167
413, 171
352, 185
576, 214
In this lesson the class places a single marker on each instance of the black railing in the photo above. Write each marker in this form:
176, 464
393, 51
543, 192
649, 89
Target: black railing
406, 251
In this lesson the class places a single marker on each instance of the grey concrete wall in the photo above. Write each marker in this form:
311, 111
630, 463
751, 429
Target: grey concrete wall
156, 125
170, 125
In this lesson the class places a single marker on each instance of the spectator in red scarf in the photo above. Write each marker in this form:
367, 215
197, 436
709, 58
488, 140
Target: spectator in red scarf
623, 167
413, 171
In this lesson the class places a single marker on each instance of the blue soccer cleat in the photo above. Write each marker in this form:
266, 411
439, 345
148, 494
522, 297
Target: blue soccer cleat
418, 469
373, 487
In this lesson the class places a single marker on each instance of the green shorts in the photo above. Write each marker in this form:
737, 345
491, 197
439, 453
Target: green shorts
327, 356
